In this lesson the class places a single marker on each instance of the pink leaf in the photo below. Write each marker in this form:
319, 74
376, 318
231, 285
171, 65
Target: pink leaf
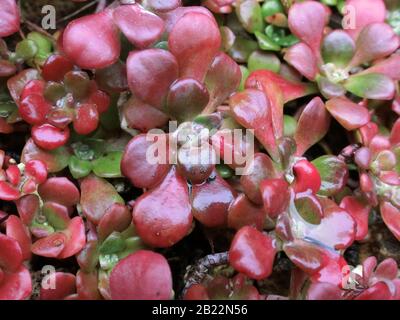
9, 18
303, 59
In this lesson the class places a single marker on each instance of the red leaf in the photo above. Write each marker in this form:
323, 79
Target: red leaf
252, 110
389, 67
49, 137
117, 218
242, 212
307, 21
252, 253
303, 59
50, 246
162, 215
10, 254
324, 291
9, 18
275, 194
76, 238
194, 41
8, 192
135, 165
349, 114
59, 190
291, 90
211, 200
92, 41
16, 286
360, 212
391, 216
143, 275
64, 286
16, 230
312, 125
141, 27
146, 65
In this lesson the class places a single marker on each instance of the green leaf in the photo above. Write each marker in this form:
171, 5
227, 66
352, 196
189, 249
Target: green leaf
333, 172
245, 74
338, 48
249, 14
108, 166
26, 49
79, 168
224, 171
266, 43
43, 44
113, 244
373, 86
263, 61
280, 36
242, 48
271, 7
289, 125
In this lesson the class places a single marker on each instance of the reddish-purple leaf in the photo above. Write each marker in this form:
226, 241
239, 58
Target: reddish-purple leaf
275, 195
252, 253
163, 215
301, 57
349, 114
312, 125
252, 110
389, 67
75, 238
17, 285
186, 99
375, 41
59, 190
143, 275
164, 5
146, 65
211, 200
92, 41
141, 27
222, 79
117, 218
10, 254
142, 116
307, 21
323, 291
135, 163
18, 231
64, 286
360, 213
17, 83
194, 41
242, 212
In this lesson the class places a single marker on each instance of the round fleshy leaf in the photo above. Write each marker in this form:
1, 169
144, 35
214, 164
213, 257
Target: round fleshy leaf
135, 276
338, 48
146, 65
59, 190
28, 206
164, 5
375, 41
323, 291
92, 41
307, 21
333, 172
194, 50
222, 79
16, 230
162, 215
371, 86
49, 137
136, 167
389, 67
349, 114
75, 238
9, 18
275, 195
242, 212
64, 286
97, 196
108, 166
55, 160
17, 285
142, 116
141, 27
249, 14
186, 99
56, 214
259, 169
301, 57
252, 253
259, 60
87, 286
312, 125
390, 215
8, 192
50, 246
365, 13
55, 67
210, 202
11, 257
112, 78
86, 118
117, 218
